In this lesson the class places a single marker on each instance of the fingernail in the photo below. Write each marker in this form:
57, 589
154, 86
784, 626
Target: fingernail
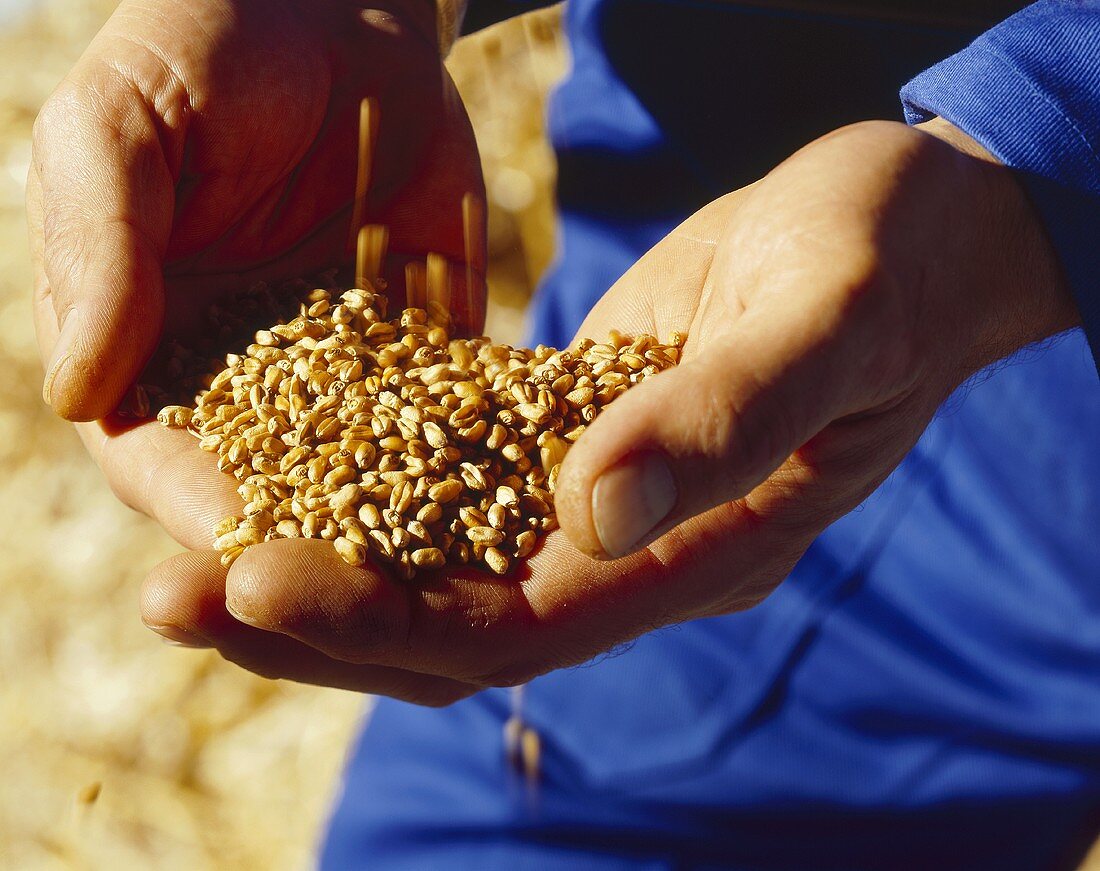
62, 352
180, 637
629, 500
239, 615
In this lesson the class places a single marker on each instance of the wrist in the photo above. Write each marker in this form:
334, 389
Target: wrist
1010, 270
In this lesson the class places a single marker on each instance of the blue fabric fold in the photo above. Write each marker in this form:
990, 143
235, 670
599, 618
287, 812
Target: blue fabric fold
921, 691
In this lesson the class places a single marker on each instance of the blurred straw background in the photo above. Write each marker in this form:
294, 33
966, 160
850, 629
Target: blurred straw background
117, 751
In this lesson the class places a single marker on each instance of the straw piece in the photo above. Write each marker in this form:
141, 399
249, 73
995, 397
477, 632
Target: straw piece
531, 753
368, 136
473, 238
370, 252
416, 292
439, 289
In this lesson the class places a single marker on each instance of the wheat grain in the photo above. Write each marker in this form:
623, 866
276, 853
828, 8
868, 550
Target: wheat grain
389, 438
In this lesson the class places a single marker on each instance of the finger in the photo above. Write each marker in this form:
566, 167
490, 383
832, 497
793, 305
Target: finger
162, 473
754, 386
45, 319
183, 599
302, 588
560, 608
465, 625
102, 212
157, 471
666, 288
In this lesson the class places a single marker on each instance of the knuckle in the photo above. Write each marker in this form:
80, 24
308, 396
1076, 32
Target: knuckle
358, 634
513, 669
718, 422
483, 638
52, 117
743, 439
122, 488
465, 620
442, 697
511, 675
63, 112
750, 592
774, 441
354, 625
251, 661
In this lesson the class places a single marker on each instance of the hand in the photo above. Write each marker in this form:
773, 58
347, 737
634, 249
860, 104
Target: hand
198, 147
830, 309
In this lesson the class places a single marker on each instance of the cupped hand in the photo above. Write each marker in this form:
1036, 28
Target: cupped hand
199, 147
830, 309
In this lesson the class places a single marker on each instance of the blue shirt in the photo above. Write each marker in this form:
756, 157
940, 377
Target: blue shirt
923, 690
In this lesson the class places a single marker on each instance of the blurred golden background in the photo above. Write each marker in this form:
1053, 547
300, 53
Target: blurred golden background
117, 751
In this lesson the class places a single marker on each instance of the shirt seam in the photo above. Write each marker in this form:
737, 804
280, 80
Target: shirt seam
1038, 92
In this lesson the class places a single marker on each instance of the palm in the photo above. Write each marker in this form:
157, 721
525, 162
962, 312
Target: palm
233, 159
798, 409
254, 107
267, 169
458, 632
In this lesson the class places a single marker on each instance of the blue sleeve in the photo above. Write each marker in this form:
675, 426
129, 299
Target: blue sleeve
1029, 91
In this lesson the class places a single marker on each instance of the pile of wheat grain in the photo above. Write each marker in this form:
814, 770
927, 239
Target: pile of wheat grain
390, 438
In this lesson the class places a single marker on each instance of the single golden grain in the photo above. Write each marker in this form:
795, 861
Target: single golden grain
428, 558
484, 535
353, 553
496, 561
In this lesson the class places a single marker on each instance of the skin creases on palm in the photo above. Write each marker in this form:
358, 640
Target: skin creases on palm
265, 192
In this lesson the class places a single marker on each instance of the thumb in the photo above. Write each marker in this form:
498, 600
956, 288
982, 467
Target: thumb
696, 436
100, 203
